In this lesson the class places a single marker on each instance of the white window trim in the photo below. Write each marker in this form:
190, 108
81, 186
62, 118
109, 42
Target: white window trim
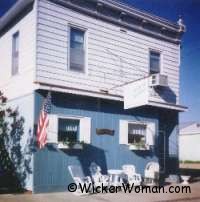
161, 59
80, 118
70, 25
146, 123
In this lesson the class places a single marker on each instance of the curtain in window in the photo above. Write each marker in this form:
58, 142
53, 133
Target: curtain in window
137, 129
68, 128
77, 39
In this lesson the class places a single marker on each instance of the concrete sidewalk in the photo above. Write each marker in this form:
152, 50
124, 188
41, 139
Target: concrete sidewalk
190, 165
194, 196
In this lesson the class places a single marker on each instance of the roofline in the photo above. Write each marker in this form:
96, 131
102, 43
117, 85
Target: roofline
60, 88
187, 124
175, 107
13, 12
125, 9
189, 134
143, 14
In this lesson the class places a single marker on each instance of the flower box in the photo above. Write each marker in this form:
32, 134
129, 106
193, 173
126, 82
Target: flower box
137, 147
65, 146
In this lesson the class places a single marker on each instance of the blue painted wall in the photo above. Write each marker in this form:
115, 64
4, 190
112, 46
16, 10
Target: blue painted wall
50, 163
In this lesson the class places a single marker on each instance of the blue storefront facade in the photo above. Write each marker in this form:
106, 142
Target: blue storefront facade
51, 163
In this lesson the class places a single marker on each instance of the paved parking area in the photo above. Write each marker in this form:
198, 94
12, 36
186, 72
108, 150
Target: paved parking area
194, 196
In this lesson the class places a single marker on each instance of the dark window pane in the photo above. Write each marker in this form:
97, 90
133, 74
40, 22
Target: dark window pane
77, 52
68, 130
154, 62
15, 53
136, 133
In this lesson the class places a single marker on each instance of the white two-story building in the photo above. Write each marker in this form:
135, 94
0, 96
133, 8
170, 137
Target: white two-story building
114, 76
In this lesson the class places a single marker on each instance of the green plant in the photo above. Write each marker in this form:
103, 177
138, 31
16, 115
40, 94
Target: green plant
14, 160
71, 143
140, 144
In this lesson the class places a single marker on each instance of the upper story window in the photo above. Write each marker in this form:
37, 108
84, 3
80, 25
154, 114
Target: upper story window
154, 62
77, 49
15, 53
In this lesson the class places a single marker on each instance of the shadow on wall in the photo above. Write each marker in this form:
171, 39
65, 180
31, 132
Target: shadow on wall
51, 165
87, 156
166, 94
169, 123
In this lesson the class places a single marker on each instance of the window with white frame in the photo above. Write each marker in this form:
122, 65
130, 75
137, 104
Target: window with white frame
15, 53
155, 62
138, 133
69, 129
77, 52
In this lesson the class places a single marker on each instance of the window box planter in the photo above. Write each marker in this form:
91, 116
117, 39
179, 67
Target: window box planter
66, 146
138, 147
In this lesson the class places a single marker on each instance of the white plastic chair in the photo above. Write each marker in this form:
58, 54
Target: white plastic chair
131, 176
79, 178
151, 173
97, 176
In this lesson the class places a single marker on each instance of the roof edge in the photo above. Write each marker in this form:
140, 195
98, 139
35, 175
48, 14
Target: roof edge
19, 6
145, 18
140, 13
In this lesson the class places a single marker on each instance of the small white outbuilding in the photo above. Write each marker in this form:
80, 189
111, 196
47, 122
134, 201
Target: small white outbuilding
189, 142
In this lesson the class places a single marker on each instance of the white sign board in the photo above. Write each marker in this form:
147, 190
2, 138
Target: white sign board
136, 93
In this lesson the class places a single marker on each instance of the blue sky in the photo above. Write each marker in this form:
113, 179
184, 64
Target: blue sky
190, 60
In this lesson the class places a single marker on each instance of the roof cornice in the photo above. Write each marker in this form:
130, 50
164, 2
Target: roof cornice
125, 16
13, 12
145, 22
141, 14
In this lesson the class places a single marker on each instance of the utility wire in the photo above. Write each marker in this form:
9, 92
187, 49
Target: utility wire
143, 76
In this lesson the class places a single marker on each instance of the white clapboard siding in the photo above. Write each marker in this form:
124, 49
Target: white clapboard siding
113, 57
122, 43
123, 132
93, 28
22, 83
72, 79
51, 11
62, 15
75, 85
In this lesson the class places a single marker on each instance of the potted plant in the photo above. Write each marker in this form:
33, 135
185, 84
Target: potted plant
141, 145
70, 144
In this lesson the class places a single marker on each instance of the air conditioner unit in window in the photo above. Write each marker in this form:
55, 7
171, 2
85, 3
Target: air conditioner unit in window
158, 80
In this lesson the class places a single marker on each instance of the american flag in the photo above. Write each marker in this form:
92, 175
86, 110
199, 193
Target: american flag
43, 122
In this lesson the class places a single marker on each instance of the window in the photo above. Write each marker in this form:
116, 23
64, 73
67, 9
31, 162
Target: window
137, 133
68, 130
154, 62
77, 50
15, 53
